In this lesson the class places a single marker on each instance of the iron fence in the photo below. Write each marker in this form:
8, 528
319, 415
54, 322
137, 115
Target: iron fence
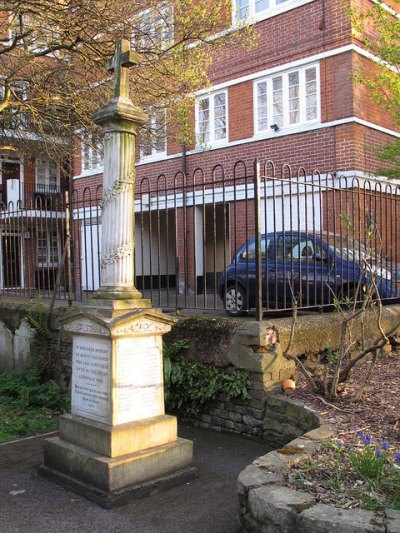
254, 238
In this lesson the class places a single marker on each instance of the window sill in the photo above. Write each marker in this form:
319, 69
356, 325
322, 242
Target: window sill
152, 158
89, 173
300, 128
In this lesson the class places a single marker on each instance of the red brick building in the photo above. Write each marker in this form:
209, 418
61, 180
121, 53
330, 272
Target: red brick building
290, 99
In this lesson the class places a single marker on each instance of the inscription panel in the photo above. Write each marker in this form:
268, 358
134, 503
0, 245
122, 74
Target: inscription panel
138, 387
91, 378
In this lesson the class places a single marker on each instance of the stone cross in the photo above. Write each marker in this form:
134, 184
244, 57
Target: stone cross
120, 64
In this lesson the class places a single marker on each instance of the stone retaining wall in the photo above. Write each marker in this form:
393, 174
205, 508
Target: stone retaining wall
267, 416
266, 505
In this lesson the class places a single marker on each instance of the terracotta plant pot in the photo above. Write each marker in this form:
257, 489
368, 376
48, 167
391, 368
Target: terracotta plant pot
288, 384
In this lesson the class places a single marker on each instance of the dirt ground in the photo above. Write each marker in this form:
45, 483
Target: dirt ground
378, 411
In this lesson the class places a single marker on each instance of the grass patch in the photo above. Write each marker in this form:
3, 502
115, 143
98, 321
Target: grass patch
29, 407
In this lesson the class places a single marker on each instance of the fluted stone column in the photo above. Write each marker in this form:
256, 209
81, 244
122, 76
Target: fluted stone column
120, 120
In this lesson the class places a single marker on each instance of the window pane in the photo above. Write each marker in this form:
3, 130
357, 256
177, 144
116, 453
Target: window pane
294, 97
220, 116
242, 9
204, 120
262, 106
261, 5
311, 74
311, 94
277, 99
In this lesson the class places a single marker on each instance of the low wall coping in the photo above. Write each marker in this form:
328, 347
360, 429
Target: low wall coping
268, 506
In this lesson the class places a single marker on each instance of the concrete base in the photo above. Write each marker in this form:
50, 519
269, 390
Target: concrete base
113, 478
109, 500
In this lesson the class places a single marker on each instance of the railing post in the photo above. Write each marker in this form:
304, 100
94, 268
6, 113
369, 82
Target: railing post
257, 232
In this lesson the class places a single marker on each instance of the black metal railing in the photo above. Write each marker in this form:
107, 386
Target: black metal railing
253, 238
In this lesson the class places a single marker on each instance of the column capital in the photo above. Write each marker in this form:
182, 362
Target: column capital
120, 114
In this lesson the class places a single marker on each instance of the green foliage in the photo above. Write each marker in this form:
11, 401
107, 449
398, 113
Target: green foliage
330, 355
25, 390
383, 84
28, 406
189, 385
389, 153
44, 361
365, 472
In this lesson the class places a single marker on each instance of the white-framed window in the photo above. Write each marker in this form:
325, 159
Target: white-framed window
36, 32
48, 250
153, 28
212, 118
47, 176
153, 136
287, 99
260, 9
92, 152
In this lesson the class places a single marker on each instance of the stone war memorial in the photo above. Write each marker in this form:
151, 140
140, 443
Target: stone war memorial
118, 443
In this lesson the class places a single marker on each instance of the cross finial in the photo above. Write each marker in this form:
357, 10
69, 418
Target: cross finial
123, 59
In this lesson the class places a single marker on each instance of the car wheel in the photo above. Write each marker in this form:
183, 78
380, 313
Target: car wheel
236, 301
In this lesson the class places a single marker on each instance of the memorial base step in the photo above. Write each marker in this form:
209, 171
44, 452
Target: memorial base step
111, 475
111, 499
123, 439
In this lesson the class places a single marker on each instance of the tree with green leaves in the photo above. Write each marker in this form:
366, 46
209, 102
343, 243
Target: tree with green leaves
379, 29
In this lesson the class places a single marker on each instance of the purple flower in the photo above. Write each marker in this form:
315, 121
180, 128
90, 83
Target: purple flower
384, 444
378, 453
366, 439
361, 434
340, 444
397, 458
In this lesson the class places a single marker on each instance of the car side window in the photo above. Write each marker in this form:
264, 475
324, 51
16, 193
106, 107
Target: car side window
304, 250
293, 248
249, 251
287, 247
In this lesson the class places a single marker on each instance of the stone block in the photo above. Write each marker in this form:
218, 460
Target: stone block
392, 521
112, 474
235, 417
256, 404
276, 404
322, 433
22, 345
323, 518
6, 349
279, 506
221, 413
112, 441
253, 476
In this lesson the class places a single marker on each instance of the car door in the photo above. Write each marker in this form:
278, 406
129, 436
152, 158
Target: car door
301, 272
249, 269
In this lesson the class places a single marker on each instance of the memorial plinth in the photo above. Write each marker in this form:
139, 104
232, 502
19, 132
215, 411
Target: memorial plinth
118, 442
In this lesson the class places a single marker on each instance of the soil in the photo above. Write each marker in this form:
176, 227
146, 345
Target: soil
378, 411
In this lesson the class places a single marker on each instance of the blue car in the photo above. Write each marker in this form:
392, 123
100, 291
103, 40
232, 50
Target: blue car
312, 270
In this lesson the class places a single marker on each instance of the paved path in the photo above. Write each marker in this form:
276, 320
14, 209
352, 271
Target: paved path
32, 504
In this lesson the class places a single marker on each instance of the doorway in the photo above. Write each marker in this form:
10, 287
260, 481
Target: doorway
11, 261
10, 181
